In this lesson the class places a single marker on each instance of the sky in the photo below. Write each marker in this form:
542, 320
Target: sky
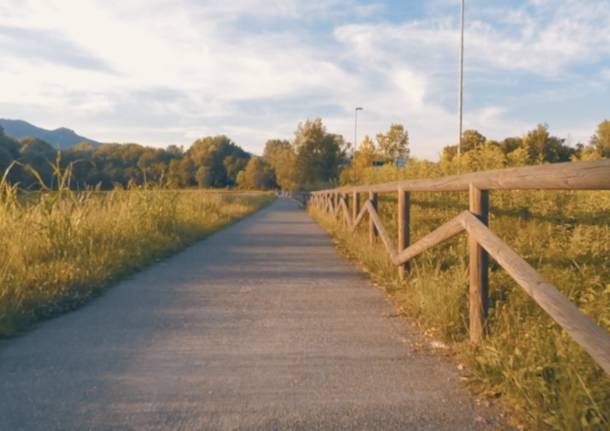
163, 72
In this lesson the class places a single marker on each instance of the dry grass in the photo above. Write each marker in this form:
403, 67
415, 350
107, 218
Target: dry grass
61, 248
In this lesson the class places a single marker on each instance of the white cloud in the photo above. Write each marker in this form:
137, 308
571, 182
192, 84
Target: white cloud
163, 71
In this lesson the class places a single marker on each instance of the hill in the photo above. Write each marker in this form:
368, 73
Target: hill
62, 137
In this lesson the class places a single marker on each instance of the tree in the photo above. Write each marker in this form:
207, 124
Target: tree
363, 159
281, 158
508, 145
274, 148
36, 155
9, 151
319, 154
153, 164
542, 147
256, 176
221, 158
471, 140
601, 140
186, 172
394, 144
173, 174
484, 156
203, 177
6, 158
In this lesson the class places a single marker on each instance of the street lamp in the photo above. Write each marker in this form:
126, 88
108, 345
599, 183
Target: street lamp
358, 108
461, 80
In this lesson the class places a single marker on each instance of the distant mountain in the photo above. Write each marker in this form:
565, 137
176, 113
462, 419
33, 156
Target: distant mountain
62, 137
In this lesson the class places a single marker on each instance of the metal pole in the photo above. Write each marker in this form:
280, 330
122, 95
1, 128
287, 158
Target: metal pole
355, 130
358, 108
461, 80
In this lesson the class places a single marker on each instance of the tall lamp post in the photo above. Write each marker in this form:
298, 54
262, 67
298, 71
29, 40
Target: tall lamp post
358, 108
461, 79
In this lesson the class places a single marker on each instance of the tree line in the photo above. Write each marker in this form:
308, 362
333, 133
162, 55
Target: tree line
478, 153
314, 158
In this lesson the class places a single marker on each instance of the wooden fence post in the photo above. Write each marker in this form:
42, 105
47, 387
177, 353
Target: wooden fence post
355, 206
335, 203
372, 229
478, 271
344, 200
404, 206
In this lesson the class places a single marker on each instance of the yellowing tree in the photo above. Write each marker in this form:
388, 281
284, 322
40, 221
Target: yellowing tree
394, 144
363, 159
601, 140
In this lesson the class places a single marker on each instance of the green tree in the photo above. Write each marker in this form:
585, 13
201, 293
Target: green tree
471, 140
280, 156
153, 164
542, 147
203, 177
508, 145
221, 158
186, 172
9, 151
173, 174
37, 155
319, 154
394, 144
256, 175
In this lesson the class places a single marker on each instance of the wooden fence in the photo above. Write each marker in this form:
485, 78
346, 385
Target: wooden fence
590, 175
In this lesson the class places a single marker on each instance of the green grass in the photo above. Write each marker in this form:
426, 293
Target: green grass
528, 361
61, 248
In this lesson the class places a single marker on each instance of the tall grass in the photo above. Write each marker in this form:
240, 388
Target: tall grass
527, 360
60, 248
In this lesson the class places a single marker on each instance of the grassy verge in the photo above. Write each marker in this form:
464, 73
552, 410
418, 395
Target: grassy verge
527, 361
61, 248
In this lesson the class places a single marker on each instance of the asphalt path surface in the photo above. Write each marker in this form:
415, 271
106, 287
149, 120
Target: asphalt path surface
261, 326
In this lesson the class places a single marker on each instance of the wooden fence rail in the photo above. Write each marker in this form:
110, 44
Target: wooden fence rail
482, 242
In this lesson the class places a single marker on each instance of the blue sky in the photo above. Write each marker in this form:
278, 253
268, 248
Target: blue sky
162, 72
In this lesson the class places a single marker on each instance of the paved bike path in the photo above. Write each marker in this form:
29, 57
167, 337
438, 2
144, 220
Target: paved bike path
261, 326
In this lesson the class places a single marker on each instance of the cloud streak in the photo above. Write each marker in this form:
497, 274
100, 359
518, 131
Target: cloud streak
37, 45
162, 72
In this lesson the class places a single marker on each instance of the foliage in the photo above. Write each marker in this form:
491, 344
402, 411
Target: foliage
536, 146
313, 159
599, 146
256, 176
217, 160
209, 162
394, 144
601, 140
363, 158
280, 156
319, 155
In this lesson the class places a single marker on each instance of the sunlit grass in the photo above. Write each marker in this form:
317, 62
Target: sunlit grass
527, 360
60, 248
